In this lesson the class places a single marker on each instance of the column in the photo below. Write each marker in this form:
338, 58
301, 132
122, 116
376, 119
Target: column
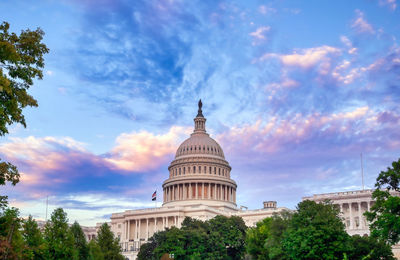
163, 222
184, 190
359, 216
215, 191
368, 205
129, 229
341, 208
147, 229
197, 192
351, 215
175, 221
234, 195
209, 191
220, 192
226, 193
140, 231
190, 191
155, 226
136, 229
202, 190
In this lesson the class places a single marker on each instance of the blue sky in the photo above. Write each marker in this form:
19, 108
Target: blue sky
293, 91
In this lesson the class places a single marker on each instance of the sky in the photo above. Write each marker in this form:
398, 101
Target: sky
293, 91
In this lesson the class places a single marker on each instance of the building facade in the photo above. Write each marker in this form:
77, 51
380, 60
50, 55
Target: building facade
199, 185
353, 205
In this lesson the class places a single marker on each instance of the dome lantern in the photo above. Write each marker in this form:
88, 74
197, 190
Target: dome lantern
199, 120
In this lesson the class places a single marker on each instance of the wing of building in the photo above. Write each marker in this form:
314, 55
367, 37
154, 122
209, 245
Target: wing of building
199, 185
352, 206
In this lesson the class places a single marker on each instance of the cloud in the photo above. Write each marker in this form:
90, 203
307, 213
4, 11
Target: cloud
144, 151
361, 25
266, 10
392, 4
260, 32
305, 58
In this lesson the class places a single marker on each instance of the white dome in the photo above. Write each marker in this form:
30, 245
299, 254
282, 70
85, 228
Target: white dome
199, 173
199, 144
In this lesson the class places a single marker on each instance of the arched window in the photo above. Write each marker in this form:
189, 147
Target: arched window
179, 171
219, 171
205, 171
210, 170
215, 170
204, 148
194, 169
199, 169
184, 170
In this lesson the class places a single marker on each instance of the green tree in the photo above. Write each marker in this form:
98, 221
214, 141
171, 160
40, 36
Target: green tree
316, 232
369, 248
34, 242
59, 239
227, 236
264, 241
21, 61
80, 241
95, 252
385, 213
11, 242
108, 244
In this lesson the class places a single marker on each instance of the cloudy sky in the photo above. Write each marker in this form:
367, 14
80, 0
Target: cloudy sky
293, 91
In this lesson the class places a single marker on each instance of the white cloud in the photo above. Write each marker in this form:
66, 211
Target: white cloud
259, 34
390, 3
361, 25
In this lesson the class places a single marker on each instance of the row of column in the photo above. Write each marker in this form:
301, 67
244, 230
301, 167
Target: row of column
135, 232
202, 190
353, 214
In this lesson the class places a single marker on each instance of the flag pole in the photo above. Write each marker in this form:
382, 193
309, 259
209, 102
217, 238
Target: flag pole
362, 171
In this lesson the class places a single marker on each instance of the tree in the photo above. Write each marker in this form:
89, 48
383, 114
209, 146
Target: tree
385, 213
264, 241
21, 61
11, 243
95, 251
369, 248
58, 237
34, 242
80, 241
316, 232
218, 238
108, 244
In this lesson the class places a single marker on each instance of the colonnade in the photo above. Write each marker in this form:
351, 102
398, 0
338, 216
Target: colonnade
353, 211
138, 230
200, 190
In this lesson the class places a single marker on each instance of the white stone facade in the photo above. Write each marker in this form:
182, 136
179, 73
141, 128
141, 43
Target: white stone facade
353, 205
199, 186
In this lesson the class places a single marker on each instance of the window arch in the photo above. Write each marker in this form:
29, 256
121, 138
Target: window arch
194, 169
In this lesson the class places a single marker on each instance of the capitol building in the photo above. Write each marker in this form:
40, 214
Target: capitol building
199, 185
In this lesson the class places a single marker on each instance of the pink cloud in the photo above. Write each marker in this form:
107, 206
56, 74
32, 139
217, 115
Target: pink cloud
361, 25
306, 58
144, 151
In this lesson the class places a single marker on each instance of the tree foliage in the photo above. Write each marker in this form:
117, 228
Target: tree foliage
108, 244
369, 248
80, 241
11, 242
217, 238
21, 61
316, 232
59, 238
33, 238
264, 241
95, 252
385, 213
